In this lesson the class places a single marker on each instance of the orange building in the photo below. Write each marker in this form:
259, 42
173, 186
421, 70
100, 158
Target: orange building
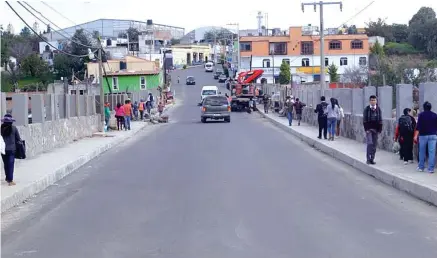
300, 47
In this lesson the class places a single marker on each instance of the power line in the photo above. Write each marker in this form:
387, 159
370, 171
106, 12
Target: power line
41, 37
77, 42
56, 11
358, 13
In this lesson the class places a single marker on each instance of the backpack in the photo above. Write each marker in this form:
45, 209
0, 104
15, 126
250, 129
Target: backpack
406, 125
324, 112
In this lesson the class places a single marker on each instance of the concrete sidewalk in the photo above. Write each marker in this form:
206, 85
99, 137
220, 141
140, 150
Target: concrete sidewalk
389, 169
34, 175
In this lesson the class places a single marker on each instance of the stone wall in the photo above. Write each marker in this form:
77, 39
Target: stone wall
48, 121
44, 137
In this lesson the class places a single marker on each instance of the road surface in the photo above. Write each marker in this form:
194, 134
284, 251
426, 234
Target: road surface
193, 190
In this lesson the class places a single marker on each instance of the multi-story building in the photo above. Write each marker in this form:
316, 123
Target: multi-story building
300, 47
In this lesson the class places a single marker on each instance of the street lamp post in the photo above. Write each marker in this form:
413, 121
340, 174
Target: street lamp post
238, 44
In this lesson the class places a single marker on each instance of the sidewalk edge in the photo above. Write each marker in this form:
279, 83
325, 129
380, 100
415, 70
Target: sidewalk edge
59, 173
419, 191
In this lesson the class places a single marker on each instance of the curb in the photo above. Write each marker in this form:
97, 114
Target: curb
59, 173
415, 189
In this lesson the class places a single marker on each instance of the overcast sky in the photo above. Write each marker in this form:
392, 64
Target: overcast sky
191, 14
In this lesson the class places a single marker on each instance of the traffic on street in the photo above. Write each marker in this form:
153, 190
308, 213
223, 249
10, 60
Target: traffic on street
218, 189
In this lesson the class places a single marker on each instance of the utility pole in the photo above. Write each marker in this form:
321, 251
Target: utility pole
238, 45
102, 97
322, 37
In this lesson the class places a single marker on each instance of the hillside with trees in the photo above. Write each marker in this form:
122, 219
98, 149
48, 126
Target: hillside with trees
410, 51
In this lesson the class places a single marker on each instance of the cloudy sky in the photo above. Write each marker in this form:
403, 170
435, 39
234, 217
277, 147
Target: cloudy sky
191, 14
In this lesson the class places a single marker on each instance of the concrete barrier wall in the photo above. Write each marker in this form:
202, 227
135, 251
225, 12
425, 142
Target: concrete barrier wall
353, 102
55, 120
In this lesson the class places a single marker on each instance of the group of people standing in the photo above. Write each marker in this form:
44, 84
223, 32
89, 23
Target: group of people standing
329, 117
423, 133
125, 113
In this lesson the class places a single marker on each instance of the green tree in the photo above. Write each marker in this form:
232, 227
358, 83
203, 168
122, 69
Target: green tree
32, 65
25, 32
422, 31
333, 73
62, 64
81, 37
133, 34
284, 74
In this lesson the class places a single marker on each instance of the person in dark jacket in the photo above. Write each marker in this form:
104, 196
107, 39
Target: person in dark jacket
322, 117
404, 134
298, 107
372, 122
11, 136
427, 133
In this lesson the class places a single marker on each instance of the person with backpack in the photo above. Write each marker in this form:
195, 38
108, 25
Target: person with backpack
404, 134
266, 100
322, 117
372, 123
298, 107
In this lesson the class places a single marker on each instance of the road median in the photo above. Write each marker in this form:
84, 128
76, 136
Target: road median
388, 169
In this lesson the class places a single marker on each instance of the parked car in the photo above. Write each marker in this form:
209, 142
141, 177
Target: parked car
222, 78
190, 80
215, 107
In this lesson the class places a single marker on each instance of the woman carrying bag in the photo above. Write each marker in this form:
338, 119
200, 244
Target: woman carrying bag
14, 147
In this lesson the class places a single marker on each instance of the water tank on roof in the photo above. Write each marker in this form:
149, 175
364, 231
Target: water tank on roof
123, 65
149, 22
108, 42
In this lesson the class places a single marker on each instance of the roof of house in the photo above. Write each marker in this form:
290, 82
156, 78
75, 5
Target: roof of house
127, 73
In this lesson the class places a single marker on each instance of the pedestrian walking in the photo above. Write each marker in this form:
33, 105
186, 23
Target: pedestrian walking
333, 115
141, 107
135, 110
404, 134
322, 117
427, 134
178, 79
298, 108
266, 101
372, 122
289, 104
107, 114
119, 115
340, 119
127, 107
11, 138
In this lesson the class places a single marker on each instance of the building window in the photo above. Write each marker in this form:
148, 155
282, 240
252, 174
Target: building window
343, 61
115, 83
357, 44
286, 60
143, 85
326, 61
363, 61
73, 92
307, 48
266, 63
278, 48
245, 46
81, 92
305, 62
335, 45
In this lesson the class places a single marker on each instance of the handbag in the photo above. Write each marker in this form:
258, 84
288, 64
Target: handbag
21, 149
396, 147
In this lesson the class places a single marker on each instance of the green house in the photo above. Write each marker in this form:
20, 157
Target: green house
123, 82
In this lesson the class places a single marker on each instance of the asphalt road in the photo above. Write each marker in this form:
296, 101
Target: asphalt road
239, 189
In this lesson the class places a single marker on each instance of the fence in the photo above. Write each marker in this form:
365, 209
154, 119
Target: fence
48, 121
354, 100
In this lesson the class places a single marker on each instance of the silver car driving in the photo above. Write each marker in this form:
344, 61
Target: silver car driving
215, 107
